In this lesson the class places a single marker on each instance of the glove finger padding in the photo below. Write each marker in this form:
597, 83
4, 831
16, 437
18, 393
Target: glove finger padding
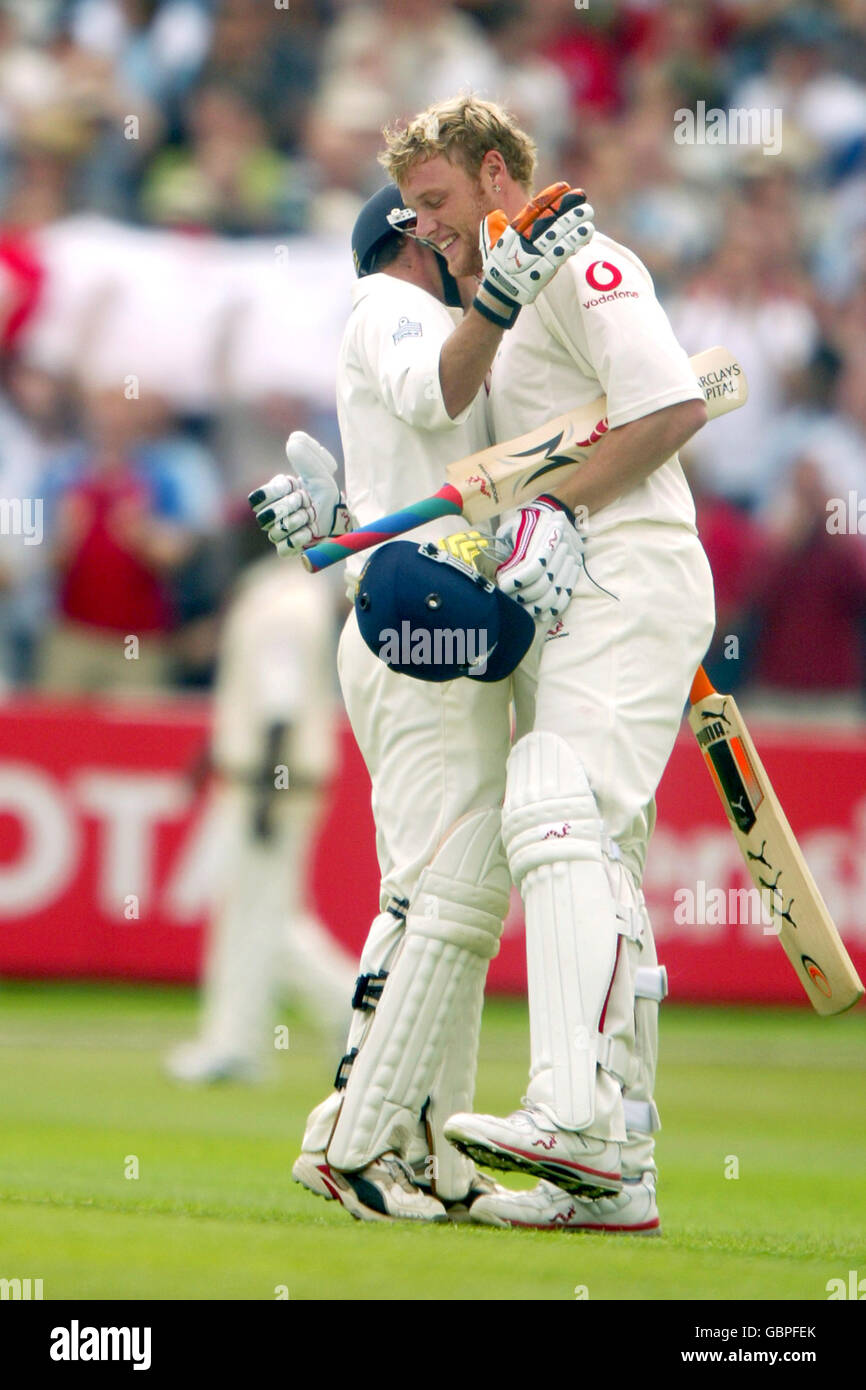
518, 267
569, 202
275, 487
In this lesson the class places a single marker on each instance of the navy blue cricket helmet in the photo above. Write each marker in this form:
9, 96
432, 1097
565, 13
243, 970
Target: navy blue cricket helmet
382, 217
429, 615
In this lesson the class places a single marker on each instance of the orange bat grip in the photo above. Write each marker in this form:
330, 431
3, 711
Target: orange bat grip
702, 686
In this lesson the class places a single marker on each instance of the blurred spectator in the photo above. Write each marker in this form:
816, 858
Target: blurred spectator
34, 426
735, 547
825, 420
155, 46
120, 529
811, 595
382, 62
584, 45
230, 176
801, 78
270, 55
739, 301
529, 83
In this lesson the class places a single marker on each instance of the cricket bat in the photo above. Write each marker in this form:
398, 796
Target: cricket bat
772, 856
507, 475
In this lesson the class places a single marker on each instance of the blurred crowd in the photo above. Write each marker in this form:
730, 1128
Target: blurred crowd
178, 179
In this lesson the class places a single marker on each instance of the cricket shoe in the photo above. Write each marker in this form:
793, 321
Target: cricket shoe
383, 1191
197, 1064
531, 1143
632, 1211
460, 1209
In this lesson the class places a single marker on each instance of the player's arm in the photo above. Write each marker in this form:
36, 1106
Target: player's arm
627, 455
654, 403
516, 269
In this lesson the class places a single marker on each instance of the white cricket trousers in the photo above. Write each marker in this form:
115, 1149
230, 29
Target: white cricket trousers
434, 751
612, 679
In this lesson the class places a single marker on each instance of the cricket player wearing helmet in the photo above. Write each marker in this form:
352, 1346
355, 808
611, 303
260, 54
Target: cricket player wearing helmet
612, 676
436, 751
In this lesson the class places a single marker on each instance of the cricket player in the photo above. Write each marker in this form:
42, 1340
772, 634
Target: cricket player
273, 750
612, 676
436, 752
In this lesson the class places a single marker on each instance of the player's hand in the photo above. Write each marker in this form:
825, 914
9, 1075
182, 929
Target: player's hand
517, 266
545, 559
301, 508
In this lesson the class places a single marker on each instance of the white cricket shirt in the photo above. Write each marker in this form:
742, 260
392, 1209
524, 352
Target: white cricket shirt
397, 435
598, 329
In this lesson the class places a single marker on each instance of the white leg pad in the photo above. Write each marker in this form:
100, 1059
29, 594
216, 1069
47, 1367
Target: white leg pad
383, 942
555, 844
452, 931
453, 1090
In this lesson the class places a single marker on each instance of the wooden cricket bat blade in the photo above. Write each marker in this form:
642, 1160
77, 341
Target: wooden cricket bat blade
775, 862
509, 475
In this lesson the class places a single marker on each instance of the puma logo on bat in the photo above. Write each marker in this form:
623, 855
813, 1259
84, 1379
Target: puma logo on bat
759, 857
717, 714
772, 887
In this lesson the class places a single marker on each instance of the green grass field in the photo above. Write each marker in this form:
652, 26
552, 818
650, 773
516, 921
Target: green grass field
213, 1213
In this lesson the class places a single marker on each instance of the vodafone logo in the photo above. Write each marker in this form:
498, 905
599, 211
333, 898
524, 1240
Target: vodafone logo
601, 275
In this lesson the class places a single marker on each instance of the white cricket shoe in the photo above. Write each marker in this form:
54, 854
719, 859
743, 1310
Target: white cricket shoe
459, 1209
198, 1064
547, 1208
383, 1191
531, 1143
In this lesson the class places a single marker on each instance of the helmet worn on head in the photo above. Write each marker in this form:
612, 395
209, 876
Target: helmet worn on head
382, 218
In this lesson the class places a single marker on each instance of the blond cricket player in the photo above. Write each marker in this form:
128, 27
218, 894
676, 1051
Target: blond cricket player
612, 676
436, 753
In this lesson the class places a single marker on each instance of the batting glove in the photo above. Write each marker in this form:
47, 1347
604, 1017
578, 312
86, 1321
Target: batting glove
546, 555
299, 509
516, 267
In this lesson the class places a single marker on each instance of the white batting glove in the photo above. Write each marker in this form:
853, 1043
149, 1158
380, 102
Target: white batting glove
517, 267
301, 508
545, 560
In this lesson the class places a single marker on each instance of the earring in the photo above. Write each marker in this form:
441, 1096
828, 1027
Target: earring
497, 188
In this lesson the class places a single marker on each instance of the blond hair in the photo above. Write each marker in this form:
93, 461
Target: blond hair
463, 129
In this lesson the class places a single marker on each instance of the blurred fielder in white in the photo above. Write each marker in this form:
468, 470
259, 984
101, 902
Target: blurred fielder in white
273, 751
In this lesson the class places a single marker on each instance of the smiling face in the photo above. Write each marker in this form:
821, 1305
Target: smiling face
450, 204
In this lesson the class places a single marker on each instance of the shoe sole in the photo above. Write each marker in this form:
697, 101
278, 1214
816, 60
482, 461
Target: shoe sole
350, 1191
649, 1228
573, 1180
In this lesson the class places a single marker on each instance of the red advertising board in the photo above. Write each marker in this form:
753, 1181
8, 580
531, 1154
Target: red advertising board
108, 852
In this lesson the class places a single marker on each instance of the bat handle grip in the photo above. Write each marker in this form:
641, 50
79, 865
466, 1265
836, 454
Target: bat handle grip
702, 686
448, 501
